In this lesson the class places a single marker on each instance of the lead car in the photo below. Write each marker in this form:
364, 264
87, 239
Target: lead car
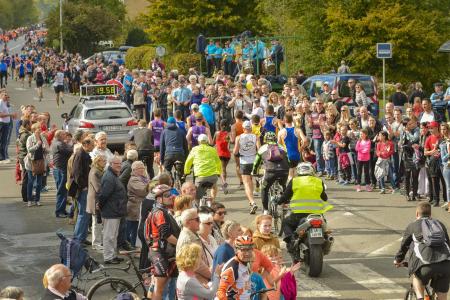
101, 109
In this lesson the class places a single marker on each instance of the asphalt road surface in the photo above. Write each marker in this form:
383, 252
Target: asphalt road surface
367, 228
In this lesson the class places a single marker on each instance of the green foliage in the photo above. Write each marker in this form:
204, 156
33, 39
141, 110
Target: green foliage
17, 13
115, 7
135, 57
349, 29
176, 23
84, 25
183, 62
136, 37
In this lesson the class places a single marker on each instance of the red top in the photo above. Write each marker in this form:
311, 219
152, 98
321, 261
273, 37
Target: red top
385, 149
432, 143
222, 144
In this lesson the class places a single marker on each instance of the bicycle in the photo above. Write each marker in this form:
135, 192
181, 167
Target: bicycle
92, 271
278, 212
109, 288
410, 294
178, 175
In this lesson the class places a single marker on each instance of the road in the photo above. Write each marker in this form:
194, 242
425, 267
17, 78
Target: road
367, 228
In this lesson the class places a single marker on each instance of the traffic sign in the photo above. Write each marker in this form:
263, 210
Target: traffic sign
384, 50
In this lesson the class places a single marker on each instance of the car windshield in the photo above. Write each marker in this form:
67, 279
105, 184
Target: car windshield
366, 82
317, 85
107, 113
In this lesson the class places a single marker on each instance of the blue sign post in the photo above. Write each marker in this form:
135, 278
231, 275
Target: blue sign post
384, 50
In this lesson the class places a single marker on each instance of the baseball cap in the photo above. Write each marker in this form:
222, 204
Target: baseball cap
202, 138
171, 120
326, 83
438, 84
205, 100
433, 124
247, 125
194, 106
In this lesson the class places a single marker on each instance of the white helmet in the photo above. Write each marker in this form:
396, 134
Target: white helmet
305, 168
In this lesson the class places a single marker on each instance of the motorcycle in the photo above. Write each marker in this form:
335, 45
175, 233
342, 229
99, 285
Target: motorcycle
313, 241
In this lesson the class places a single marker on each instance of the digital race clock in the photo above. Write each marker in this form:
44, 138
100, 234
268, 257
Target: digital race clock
98, 90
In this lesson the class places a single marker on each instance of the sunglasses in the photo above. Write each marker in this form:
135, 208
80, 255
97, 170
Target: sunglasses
222, 213
199, 120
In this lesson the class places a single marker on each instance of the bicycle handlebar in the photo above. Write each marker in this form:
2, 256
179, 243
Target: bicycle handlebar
262, 291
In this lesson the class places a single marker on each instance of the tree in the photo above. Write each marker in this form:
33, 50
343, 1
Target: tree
84, 25
176, 23
333, 30
136, 37
17, 13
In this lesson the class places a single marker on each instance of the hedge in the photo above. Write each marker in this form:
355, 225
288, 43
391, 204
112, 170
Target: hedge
183, 62
135, 57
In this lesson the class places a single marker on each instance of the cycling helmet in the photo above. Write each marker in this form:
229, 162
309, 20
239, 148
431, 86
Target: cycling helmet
305, 168
244, 242
160, 189
270, 137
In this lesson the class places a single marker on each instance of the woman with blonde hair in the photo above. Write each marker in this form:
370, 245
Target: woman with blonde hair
188, 286
274, 101
94, 181
345, 114
230, 231
137, 190
263, 234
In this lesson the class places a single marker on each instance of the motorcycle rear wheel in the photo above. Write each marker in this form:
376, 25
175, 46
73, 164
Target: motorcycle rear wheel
314, 262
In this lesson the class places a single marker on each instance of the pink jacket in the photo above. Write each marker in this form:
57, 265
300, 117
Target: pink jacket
363, 150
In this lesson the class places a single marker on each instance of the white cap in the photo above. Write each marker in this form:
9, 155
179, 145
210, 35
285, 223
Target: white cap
202, 138
247, 125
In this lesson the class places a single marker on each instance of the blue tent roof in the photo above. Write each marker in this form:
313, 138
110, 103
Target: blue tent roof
445, 47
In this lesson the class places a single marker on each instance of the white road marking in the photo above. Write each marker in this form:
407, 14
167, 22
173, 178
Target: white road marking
368, 278
312, 288
20, 89
384, 249
347, 213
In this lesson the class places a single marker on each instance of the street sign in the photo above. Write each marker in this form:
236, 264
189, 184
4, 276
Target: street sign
384, 50
160, 51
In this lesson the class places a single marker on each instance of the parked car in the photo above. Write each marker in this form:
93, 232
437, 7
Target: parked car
110, 55
338, 82
111, 116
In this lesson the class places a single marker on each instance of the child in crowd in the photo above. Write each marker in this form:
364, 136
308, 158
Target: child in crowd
353, 135
329, 155
363, 157
263, 234
417, 106
221, 140
344, 158
278, 272
384, 151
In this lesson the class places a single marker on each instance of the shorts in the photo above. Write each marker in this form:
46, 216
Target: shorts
293, 163
59, 89
438, 273
246, 169
162, 266
224, 159
39, 83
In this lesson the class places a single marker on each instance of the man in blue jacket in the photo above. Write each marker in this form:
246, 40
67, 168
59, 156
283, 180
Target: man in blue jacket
113, 206
173, 145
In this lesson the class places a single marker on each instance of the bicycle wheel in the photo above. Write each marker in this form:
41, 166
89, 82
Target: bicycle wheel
109, 288
410, 294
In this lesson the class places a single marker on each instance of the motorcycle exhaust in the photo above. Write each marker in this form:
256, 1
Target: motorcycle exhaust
327, 245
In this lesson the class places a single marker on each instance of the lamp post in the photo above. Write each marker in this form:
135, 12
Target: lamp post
60, 26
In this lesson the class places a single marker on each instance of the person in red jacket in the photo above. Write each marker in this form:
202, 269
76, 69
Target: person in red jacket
384, 151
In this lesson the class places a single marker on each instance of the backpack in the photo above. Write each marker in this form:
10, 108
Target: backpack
72, 254
274, 152
432, 232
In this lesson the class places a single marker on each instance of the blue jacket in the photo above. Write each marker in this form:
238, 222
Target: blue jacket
3, 66
112, 197
172, 141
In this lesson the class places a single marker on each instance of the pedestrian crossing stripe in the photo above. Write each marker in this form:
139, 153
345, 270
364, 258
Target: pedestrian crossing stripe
366, 277
308, 287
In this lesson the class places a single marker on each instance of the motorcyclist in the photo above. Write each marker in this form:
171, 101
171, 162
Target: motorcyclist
306, 195
426, 261
275, 163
